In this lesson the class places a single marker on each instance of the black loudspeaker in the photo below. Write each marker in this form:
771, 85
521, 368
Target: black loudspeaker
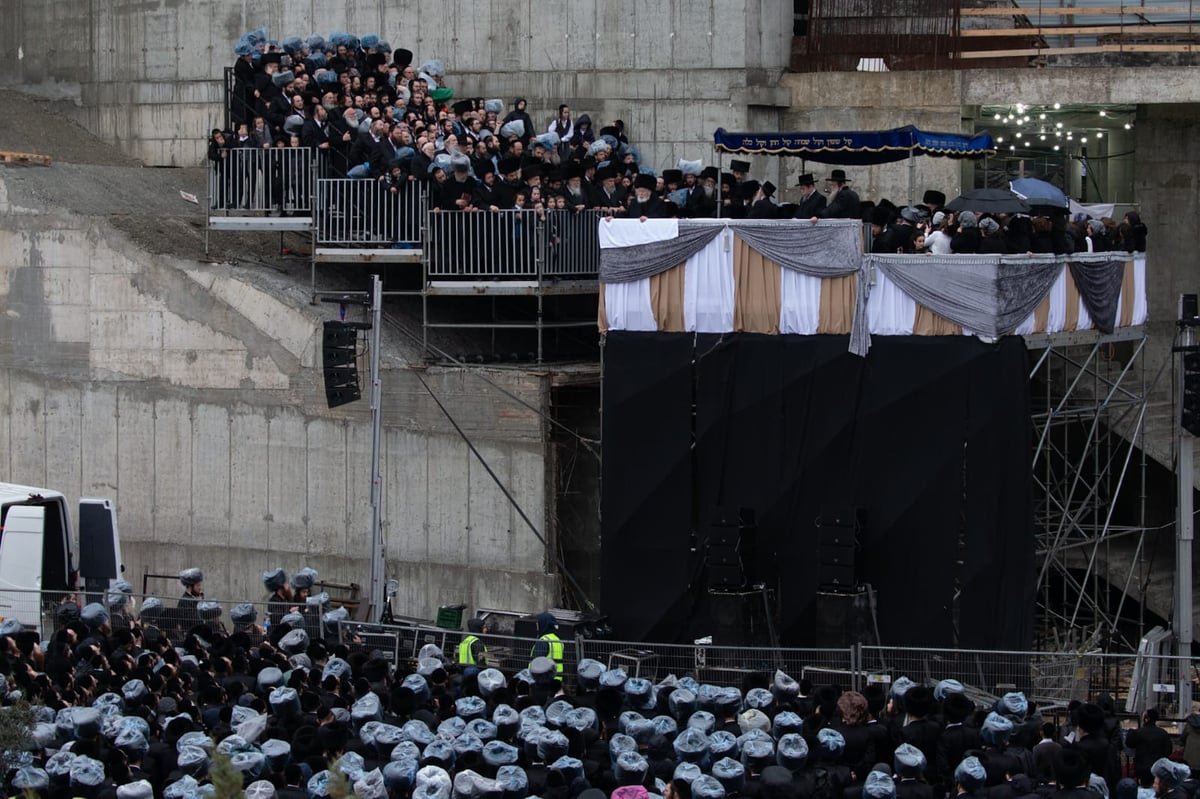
844, 619
739, 618
729, 554
838, 530
339, 349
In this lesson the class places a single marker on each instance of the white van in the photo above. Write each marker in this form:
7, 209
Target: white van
37, 551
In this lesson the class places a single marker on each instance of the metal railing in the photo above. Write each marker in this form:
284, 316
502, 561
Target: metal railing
366, 212
512, 244
262, 179
1135, 681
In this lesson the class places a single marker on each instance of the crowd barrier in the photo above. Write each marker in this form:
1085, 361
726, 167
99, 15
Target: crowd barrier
512, 244
354, 211
262, 179
1135, 681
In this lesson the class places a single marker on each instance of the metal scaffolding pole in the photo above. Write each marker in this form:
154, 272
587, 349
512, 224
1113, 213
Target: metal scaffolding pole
1089, 419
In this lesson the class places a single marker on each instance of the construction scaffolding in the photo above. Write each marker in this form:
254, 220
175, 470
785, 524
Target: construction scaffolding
1089, 396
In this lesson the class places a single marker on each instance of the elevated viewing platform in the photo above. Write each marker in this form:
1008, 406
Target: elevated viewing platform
791, 276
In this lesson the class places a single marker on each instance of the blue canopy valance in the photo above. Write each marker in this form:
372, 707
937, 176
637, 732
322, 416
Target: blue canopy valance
857, 148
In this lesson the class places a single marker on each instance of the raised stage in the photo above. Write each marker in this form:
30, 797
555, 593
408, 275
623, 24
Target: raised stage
731, 379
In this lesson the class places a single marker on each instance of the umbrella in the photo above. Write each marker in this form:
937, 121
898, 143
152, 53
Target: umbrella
1039, 192
990, 201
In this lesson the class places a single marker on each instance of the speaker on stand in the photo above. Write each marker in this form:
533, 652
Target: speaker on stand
845, 606
739, 601
339, 351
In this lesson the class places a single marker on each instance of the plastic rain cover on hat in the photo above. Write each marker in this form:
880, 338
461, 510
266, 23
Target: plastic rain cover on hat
433, 782
30, 778
513, 781
260, 789
351, 765
947, 687
831, 741
996, 729
879, 786
499, 753
691, 745
688, 772
703, 721
370, 785
482, 729
490, 681
192, 760
197, 739
730, 773
470, 707
1014, 704
278, 753
86, 772
970, 773
792, 751
249, 763
183, 788
252, 728
707, 787
400, 775
318, 784
630, 766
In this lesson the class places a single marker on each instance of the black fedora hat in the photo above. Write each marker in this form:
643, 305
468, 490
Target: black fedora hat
838, 176
806, 179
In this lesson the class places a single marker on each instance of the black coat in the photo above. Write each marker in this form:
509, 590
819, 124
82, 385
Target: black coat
844, 205
1149, 742
811, 206
654, 208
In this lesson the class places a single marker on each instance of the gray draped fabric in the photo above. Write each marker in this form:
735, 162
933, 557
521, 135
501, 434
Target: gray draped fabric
818, 250
1099, 284
626, 264
984, 293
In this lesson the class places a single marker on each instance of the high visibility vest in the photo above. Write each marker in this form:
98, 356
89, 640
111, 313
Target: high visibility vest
465, 657
556, 651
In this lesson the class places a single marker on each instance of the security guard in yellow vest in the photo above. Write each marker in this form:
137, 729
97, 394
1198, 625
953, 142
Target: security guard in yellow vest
472, 651
549, 645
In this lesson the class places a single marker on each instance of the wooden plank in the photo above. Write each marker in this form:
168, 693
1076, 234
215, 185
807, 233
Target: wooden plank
1068, 30
1104, 48
10, 157
1114, 11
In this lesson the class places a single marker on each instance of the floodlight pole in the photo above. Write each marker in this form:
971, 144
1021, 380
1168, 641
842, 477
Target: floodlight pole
376, 596
1185, 522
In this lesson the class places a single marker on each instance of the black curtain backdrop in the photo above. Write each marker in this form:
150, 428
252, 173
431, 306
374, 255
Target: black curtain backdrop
929, 436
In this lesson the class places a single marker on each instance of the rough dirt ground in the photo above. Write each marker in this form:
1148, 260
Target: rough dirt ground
93, 178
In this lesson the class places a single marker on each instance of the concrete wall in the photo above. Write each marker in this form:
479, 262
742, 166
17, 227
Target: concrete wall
188, 393
147, 74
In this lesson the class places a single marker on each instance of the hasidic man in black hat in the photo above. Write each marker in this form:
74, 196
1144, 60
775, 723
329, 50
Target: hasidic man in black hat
812, 202
844, 204
645, 204
702, 199
934, 200
763, 207
608, 195
740, 170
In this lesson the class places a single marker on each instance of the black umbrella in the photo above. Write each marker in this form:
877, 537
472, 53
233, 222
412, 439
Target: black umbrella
989, 201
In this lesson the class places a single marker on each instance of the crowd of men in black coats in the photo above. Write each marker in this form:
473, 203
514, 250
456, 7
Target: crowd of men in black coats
162, 704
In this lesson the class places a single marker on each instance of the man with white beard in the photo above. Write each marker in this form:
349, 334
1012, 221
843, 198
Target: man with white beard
577, 199
645, 204
702, 198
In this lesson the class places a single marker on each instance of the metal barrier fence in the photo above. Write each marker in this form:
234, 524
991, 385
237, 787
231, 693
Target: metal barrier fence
262, 179
1135, 682
513, 243
366, 211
